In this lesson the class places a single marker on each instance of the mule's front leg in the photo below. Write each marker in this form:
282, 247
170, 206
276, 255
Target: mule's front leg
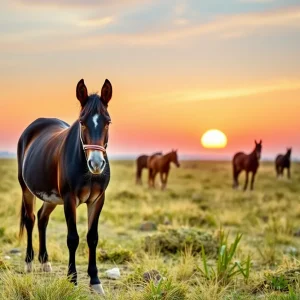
246, 181
72, 238
94, 210
252, 181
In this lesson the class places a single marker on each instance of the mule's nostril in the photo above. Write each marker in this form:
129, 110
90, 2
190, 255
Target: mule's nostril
90, 164
103, 164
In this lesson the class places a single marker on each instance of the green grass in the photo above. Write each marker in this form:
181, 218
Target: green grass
263, 264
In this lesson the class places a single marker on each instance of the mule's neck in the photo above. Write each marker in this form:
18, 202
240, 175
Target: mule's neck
167, 158
253, 154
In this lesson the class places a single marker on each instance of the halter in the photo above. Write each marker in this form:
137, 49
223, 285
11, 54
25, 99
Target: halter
90, 147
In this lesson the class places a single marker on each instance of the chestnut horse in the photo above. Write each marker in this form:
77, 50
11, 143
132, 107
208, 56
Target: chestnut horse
67, 165
249, 163
158, 163
142, 163
283, 162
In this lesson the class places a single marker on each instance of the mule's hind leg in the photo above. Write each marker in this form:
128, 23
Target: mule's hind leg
139, 175
150, 178
27, 220
235, 178
43, 218
277, 171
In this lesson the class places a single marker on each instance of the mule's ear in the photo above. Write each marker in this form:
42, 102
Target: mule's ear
106, 91
81, 92
260, 142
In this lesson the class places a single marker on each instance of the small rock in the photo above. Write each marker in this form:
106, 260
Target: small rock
167, 221
152, 275
265, 218
6, 257
15, 251
291, 250
197, 197
148, 226
297, 233
113, 273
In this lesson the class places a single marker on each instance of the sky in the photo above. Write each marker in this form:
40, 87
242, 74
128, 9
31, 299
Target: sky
178, 68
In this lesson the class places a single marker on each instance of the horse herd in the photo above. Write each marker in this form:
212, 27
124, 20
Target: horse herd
68, 165
156, 163
159, 163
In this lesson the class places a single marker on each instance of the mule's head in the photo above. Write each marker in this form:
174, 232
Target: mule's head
174, 158
289, 152
94, 123
258, 148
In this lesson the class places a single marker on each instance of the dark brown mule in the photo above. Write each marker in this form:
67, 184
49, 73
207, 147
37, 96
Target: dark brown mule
142, 163
283, 162
67, 165
249, 163
161, 164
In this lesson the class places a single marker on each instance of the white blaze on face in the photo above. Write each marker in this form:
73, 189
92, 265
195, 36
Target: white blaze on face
95, 120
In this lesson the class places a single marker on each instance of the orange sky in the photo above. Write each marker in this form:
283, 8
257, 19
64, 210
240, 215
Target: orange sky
177, 68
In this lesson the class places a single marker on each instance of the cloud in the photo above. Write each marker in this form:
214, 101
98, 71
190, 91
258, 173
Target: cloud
233, 26
95, 22
219, 94
180, 8
77, 3
257, 1
222, 27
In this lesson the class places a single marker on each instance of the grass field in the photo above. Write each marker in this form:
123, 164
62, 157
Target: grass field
198, 205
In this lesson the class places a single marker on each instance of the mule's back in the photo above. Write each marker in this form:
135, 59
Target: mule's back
282, 161
238, 160
37, 152
154, 161
141, 161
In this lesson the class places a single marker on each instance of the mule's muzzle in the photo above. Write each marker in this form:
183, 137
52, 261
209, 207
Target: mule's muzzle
178, 165
96, 162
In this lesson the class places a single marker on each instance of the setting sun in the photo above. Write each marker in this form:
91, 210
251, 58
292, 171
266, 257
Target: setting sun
214, 138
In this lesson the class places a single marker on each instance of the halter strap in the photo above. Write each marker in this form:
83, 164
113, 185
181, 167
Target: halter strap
89, 147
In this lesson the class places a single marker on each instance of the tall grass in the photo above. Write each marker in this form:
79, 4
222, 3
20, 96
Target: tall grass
226, 269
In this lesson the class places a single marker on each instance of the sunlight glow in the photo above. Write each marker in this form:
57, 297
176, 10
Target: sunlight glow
214, 138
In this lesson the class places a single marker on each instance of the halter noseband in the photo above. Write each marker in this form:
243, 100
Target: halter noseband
90, 147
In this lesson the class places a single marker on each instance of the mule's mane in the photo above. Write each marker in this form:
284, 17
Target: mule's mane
94, 105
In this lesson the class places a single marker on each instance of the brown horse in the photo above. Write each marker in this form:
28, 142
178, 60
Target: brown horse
283, 162
142, 163
249, 163
158, 163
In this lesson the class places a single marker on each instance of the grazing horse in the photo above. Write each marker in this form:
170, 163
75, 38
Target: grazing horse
282, 162
249, 163
158, 163
142, 163
68, 165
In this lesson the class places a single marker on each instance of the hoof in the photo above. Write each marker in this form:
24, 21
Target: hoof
28, 267
97, 288
46, 267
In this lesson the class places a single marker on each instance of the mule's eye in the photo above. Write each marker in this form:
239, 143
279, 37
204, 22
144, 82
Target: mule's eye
106, 126
82, 124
